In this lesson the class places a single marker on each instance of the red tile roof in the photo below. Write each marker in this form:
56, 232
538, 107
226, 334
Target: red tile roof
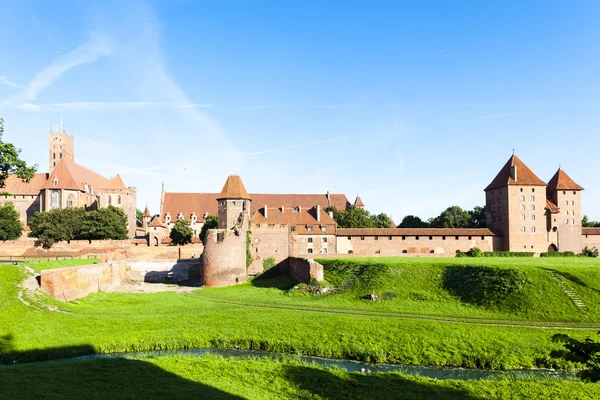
234, 189
562, 181
117, 182
291, 216
74, 177
590, 231
206, 203
414, 232
14, 184
525, 176
146, 212
157, 222
553, 208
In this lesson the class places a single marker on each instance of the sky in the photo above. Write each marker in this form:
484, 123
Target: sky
414, 105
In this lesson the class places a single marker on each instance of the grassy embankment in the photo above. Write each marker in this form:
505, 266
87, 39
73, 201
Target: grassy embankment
214, 377
262, 315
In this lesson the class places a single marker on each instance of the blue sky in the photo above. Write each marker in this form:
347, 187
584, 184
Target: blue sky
415, 104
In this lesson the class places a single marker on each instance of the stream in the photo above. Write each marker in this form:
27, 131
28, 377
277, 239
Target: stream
348, 365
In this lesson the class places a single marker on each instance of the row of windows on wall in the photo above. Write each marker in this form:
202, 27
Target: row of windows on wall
54, 157
532, 190
532, 198
110, 200
416, 237
567, 212
532, 207
523, 217
309, 228
310, 240
567, 202
403, 251
524, 229
574, 192
323, 251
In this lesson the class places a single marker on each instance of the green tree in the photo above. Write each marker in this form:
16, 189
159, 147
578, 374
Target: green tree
10, 163
586, 352
354, 217
412, 221
478, 217
104, 223
181, 233
381, 221
586, 223
139, 215
11, 227
210, 222
452, 217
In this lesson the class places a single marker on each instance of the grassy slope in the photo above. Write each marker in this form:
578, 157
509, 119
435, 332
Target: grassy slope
127, 322
184, 377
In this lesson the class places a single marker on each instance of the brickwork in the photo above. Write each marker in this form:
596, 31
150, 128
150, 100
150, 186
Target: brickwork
305, 269
590, 241
60, 146
173, 270
568, 221
266, 242
26, 205
66, 284
411, 245
314, 245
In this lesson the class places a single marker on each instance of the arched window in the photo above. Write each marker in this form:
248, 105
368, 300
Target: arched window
310, 240
533, 217
109, 200
532, 207
532, 198
69, 202
119, 200
523, 207
60, 155
533, 229
54, 156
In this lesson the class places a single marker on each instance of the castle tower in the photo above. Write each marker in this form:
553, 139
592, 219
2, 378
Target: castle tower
564, 226
358, 202
61, 146
516, 208
232, 201
146, 218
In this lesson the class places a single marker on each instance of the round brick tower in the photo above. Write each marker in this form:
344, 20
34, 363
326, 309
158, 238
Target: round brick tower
224, 255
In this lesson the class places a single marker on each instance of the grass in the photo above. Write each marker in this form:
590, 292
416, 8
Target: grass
263, 315
214, 377
39, 266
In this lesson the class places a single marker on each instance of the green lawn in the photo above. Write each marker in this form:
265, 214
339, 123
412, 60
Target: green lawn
38, 266
433, 328
187, 377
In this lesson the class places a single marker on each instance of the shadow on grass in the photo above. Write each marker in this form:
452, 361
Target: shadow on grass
111, 378
329, 385
275, 277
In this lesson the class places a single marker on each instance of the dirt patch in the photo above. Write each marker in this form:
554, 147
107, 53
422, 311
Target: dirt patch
146, 287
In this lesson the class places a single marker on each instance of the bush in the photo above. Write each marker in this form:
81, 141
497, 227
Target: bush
268, 263
182, 232
508, 254
558, 254
587, 252
210, 222
483, 286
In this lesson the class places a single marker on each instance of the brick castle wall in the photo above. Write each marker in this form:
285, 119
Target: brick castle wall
268, 242
305, 269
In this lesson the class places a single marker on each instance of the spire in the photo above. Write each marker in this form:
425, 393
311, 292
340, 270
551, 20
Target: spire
146, 212
358, 202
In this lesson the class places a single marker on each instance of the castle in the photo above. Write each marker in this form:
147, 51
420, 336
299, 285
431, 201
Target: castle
524, 214
68, 184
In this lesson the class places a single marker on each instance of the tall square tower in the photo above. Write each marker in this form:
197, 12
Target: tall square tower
60, 146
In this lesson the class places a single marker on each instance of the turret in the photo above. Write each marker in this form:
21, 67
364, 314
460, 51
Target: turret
564, 226
232, 201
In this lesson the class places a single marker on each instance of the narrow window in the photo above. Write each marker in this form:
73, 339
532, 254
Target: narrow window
455, 237
521, 189
532, 207
533, 217
119, 201
566, 202
349, 237
522, 198
109, 200
403, 237
362, 238
572, 202
324, 240
376, 237
69, 202
443, 237
416, 238
389, 238
430, 237
470, 238
522, 217
532, 198
310, 240
324, 251
310, 251
523, 207
532, 190
533, 229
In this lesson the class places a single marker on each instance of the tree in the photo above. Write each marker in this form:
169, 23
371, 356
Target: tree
354, 217
210, 222
381, 221
181, 233
11, 227
412, 221
452, 217
586, 352
139, 215
10, 163
478, 217
104, 223
586, 223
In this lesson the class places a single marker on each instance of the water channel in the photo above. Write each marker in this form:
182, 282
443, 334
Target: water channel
348, 365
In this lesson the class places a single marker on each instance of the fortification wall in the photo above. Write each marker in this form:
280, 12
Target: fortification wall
305, 269
66, 284
174, 270
224, 258
433, 246
591, 241
267, 242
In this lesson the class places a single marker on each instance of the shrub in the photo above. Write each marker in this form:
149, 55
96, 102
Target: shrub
587, 252
11, 227
508, 254
483, 286
558, 254
210, 222
476, 252
182, 232
268, 263
586, 352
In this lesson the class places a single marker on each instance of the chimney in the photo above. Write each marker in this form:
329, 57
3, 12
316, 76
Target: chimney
513, 172
282, 209
266, 212
328, 199
318, 213
331, 214
299, 209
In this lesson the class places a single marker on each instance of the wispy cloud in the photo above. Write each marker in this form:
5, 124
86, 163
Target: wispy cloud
88, 52
295, 146
108, 106
466, 121
7, 82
